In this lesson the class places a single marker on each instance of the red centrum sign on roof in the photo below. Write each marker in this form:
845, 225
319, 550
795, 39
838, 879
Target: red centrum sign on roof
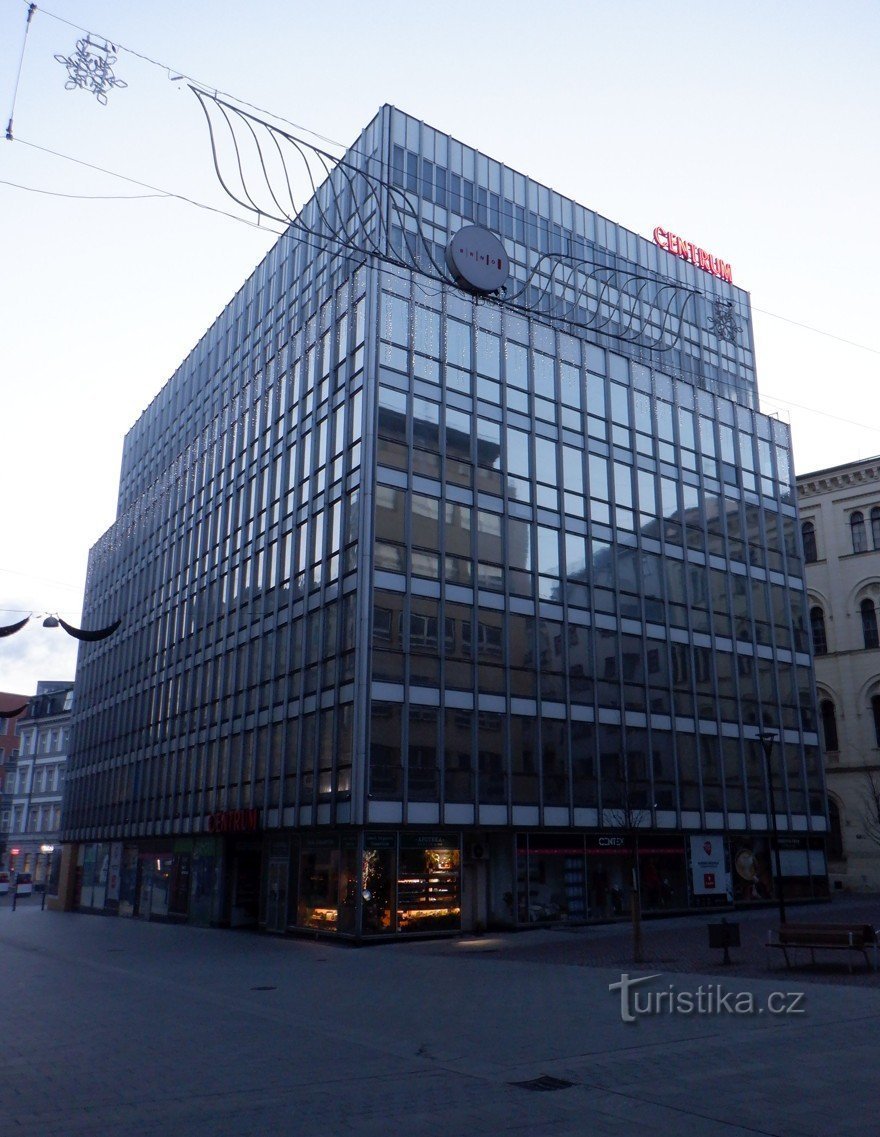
688, 251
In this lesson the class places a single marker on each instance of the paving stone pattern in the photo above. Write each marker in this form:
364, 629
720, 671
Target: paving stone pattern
124, 1027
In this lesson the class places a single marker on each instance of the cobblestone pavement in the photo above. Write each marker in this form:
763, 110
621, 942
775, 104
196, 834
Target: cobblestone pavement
123, 1027
680, 944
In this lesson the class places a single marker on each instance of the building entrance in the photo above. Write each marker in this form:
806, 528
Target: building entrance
276, 895
245, 908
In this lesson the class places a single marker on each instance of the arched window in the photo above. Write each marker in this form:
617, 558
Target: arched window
808, 533
875, 711
875, 526
829, 725
869, 624
857, 526
835, 836
817, 631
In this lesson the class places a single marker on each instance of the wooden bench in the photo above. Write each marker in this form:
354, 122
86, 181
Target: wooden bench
826, 937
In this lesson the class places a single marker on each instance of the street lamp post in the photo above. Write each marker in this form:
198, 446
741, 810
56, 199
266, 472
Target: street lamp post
47, 851
767, 738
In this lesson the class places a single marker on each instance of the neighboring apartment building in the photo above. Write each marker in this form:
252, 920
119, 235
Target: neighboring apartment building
12, 706
446, 591
35, 785
840, 524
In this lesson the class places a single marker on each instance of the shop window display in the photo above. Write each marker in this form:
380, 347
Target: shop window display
319, 885
428, 885
378, 884
551, 880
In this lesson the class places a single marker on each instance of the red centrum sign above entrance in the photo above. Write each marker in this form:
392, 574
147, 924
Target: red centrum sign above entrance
679, 247
234, 821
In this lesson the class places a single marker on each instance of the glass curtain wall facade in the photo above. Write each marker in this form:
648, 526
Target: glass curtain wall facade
437, 610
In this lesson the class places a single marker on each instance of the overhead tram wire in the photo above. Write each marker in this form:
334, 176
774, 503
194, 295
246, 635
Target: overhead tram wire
818, 331
783, 402
158, 191
85, 196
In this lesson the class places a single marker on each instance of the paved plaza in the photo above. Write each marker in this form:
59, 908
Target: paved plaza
121, 1027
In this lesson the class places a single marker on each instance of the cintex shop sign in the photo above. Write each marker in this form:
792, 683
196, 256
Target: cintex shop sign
688, 251
477, 260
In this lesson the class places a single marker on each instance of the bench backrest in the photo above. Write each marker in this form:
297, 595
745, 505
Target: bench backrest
856, 935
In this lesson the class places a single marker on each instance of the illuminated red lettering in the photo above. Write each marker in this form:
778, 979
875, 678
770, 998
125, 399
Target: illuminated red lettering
688, 251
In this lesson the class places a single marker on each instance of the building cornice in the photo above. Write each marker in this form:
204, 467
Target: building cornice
840, 478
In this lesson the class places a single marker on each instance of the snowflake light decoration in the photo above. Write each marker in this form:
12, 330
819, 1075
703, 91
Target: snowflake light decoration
91, 68
722, 321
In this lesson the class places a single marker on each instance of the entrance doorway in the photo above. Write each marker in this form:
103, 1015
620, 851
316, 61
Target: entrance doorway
276, 897
245, 908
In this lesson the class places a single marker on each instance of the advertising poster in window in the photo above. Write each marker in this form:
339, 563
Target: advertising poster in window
114, 878
708, 872
753, 879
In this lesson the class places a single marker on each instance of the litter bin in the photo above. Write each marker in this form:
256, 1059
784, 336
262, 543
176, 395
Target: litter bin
724, 935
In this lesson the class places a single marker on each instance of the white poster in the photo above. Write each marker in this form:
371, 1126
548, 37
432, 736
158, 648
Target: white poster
708, 874
113, 880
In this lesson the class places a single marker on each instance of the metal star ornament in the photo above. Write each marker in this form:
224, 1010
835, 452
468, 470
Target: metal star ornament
91, 68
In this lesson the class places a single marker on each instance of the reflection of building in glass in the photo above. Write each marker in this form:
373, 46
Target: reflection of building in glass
446, 587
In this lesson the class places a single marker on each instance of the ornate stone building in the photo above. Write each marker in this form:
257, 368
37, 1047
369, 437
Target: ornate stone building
840, 525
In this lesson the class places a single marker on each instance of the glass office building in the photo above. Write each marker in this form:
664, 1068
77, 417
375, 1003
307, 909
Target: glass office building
443, 609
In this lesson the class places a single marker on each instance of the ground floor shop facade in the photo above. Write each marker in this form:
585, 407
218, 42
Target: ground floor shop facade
372, 883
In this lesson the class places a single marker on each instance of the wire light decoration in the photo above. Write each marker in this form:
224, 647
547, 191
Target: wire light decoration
86, 635
346, 204
90, 68
722, 322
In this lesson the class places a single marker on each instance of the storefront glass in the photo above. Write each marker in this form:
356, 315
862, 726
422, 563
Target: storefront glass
181, 878
319, 884
662, 874
102, 868
551, 878
379, 878
567, 877
428, 884
205, 867
161, 866
128, 881
752, 871
86, 875
349, 882
246, 855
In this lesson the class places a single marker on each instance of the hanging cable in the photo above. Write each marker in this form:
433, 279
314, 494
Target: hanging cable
175, 75
27, 27
817, 331
84, 196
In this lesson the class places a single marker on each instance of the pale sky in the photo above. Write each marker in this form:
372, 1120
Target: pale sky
749, 129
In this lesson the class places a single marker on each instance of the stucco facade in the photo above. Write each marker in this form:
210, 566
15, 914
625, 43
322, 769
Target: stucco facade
840, 525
